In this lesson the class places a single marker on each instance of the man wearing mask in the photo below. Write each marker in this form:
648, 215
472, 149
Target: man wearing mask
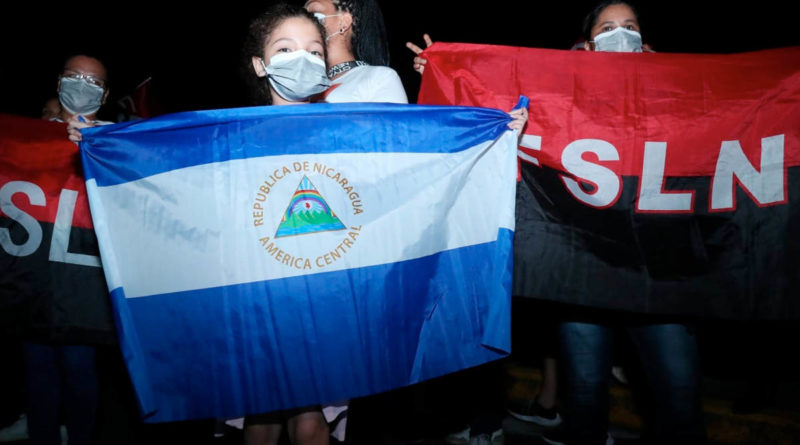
61, 375
82, 88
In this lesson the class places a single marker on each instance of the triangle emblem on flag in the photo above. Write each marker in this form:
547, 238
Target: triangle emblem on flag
307, 213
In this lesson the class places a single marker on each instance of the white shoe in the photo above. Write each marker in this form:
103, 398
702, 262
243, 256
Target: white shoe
458, 438
619, 374
496, 438
482, 439
16, 431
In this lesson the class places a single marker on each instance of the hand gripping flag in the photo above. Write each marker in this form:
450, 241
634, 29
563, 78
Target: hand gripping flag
267, 258
651, 183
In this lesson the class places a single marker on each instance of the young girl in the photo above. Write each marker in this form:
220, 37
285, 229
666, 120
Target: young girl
284, 58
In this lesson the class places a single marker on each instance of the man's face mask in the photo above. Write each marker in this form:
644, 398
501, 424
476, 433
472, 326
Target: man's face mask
619, 40
79, 96
297, 75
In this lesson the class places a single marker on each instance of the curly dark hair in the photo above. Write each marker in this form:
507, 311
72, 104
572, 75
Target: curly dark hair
591, 18
257, 35
369, 41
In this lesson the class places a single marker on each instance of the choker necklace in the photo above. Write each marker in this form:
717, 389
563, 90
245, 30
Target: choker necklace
344, 67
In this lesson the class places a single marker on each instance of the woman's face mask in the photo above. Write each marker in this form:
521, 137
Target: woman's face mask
619, 40
296, 75
321, 18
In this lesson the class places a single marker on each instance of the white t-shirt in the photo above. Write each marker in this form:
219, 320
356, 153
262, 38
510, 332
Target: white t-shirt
367, 84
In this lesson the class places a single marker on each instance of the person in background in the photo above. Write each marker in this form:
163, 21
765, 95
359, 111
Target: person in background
358, 53
51, 109
667, 348
63, 377
82, 89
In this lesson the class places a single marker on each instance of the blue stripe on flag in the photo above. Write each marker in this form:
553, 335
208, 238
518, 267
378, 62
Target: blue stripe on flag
258, 347
132, 352
134, 150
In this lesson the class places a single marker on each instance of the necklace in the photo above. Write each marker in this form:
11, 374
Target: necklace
344, 67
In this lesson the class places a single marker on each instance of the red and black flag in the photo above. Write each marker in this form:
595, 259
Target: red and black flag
652, 183
141, 103
52, 287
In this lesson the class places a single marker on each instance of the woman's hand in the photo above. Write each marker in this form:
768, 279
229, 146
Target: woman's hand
520, 116
419, 62
75, 124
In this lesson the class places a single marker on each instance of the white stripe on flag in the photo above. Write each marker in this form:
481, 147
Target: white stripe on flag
194, 228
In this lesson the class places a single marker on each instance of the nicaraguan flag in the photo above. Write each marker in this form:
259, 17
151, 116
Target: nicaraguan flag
274, 257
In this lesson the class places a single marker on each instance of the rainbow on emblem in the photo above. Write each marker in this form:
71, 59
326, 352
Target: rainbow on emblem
307, 213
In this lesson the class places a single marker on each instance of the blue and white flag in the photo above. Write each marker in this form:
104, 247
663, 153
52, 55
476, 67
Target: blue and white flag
274, 257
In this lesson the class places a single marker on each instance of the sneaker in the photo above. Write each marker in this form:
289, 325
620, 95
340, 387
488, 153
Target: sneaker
532, 412
557, 437
16, 431
619, 375
496, 438
458, 437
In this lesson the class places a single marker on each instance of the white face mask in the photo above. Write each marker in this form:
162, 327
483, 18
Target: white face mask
321, 17
79, 96
297, 75
619, 40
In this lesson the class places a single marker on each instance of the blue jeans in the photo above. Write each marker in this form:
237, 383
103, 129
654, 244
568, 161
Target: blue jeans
668, 353
60, 377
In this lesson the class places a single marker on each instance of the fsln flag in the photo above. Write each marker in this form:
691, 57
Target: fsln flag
651, 183
274, 257
52, 288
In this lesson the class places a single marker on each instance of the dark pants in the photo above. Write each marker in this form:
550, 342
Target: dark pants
60, 377
12, 375
668, 353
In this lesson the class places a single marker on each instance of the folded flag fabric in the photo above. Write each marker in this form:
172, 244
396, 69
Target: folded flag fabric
652, 183
274, 257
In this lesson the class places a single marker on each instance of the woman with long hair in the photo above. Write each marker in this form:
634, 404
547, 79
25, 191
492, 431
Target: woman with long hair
358, 52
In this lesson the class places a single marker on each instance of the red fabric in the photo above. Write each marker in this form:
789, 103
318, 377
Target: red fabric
325, 93
692, 102
142, 102
39, 152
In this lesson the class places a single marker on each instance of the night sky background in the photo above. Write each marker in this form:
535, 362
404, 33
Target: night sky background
193, 52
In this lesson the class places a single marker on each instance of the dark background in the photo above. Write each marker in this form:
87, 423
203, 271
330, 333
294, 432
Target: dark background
192, 52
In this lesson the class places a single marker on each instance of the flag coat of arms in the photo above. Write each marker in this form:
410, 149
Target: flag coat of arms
273, 257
